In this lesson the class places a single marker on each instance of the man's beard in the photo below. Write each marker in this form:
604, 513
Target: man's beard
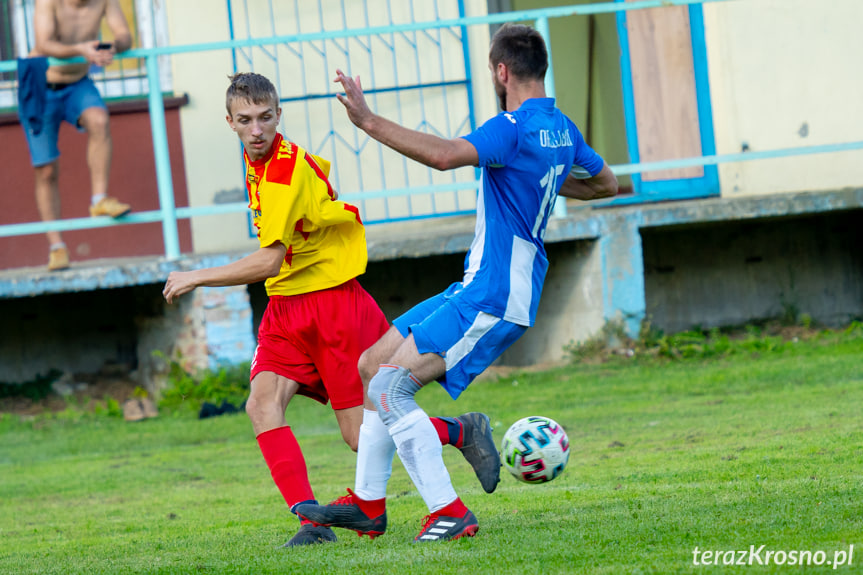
499, 90
501, 96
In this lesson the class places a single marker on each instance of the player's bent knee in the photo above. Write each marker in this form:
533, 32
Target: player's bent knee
96, 122
392, 391
379, 386
252, 407
257, 409
352, 441
367, 366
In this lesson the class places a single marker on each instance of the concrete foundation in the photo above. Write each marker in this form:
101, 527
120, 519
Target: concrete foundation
682, 264
124, 330
77, 332
734, 272
571, 308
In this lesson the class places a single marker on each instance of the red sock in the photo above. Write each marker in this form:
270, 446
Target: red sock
287, 465
449, 430
441, 428
454, 509
371, 507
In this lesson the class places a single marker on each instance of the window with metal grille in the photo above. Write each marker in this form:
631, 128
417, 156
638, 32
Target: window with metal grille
419, 78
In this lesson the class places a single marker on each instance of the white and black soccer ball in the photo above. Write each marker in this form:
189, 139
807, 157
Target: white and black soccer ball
535, 449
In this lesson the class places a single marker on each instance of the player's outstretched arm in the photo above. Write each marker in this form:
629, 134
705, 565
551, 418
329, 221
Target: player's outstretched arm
433, 151
255, 267
602, 185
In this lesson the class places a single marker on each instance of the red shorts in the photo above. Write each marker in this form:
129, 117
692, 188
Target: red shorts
316, 339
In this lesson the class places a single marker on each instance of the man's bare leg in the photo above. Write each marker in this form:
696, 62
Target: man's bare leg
95, 121
350, 420
48, 203
425, 367
268, 398
48, 197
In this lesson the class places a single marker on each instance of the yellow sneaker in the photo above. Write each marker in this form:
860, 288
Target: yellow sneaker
110, 207
58, 259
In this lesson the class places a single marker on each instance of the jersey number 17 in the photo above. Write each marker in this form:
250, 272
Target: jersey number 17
549, 182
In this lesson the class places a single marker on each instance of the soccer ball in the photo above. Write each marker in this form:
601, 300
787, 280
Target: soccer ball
535, 449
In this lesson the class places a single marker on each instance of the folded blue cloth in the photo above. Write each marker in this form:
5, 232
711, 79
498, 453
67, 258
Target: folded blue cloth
32, 84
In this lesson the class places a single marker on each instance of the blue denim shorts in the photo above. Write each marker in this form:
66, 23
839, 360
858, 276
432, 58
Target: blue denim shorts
67, 104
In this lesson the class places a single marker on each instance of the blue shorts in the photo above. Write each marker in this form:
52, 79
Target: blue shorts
64, 104
469, 340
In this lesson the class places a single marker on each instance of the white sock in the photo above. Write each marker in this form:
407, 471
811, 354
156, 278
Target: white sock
421, 453
57, 246
375, 453
97, 198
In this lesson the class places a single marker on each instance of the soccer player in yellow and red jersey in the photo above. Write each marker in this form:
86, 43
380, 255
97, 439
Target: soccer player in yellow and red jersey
319, 319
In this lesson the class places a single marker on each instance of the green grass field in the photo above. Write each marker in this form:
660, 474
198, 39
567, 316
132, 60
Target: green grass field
718, 454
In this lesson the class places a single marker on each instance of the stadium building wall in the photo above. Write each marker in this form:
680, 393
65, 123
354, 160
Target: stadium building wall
779, 78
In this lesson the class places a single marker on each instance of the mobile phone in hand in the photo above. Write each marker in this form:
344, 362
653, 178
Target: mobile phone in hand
103, 46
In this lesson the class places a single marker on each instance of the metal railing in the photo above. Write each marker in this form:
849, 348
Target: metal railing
437, 85
168, 214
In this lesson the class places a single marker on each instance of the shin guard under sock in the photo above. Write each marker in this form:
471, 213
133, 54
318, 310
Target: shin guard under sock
287, 465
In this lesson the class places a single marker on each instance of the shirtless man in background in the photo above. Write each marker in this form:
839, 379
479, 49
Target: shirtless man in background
70, 29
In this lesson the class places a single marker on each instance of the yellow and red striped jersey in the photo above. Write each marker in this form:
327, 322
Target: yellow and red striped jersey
293, 203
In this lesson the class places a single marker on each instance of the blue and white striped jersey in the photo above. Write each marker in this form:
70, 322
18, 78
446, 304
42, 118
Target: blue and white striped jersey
525, 156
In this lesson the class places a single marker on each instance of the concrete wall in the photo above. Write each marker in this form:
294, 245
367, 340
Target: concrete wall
76, 332
681, 264
782, 75
129, 330
731, 273
571, 308
85, 332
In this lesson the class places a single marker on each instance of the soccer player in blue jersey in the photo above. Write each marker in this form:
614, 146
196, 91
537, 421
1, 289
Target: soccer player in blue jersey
529, 153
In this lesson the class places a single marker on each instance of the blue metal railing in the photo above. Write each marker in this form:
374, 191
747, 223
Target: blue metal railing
168, 214
306, 94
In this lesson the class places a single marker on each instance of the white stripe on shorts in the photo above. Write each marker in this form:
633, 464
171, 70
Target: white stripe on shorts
481, 326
